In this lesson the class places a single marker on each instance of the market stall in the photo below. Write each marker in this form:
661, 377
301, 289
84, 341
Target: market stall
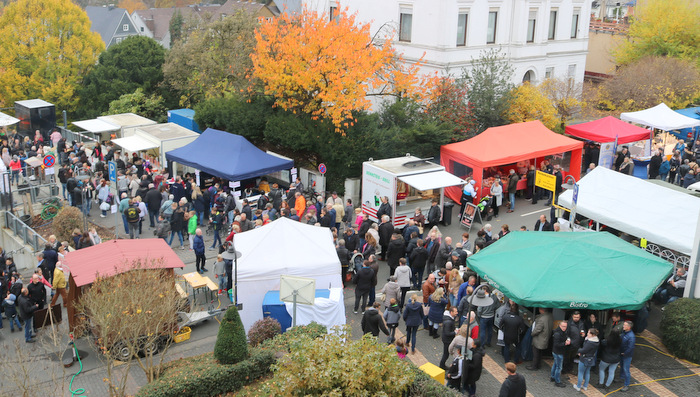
97, 127
6, 119
609, 129
590, 271
660, 117
284, 247
499, 149
153, 141
124, 121
689, 134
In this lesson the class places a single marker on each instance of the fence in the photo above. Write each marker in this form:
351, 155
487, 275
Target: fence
76, 136
26, 233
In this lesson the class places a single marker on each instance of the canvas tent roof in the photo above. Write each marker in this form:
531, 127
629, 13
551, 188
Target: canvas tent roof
6, 119
607, 129
227, 156
135, 143
631, 205
661, 117
511, 143
113, 257
535, 269
283, 247
96, 126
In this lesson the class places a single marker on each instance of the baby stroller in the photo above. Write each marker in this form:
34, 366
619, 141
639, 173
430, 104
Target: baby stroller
355, 264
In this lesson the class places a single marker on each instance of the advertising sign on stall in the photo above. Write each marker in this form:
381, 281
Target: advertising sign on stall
607, 155
470, 212
546, 181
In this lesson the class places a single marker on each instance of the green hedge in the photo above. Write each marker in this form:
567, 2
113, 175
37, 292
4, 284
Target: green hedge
424, 385
203, 376
231, 343
299, 334
679, 328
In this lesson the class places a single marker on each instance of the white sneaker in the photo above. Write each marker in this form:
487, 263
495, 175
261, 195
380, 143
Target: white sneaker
577, 388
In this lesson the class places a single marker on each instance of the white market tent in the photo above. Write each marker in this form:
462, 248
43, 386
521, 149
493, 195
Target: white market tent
285, 247
661, 117
637, 207
6, 119
96, 126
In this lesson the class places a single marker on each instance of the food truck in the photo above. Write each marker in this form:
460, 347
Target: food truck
409, 182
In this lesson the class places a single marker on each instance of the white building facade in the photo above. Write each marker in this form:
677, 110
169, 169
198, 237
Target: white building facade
540, 39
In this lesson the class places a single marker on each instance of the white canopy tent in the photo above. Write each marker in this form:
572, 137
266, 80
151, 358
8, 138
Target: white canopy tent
661, 117
284, 247
96, 126
135, 143
637, 207
6, 119
432, 180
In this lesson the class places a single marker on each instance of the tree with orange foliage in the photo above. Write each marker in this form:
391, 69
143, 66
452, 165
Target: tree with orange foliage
328, 68
132, 5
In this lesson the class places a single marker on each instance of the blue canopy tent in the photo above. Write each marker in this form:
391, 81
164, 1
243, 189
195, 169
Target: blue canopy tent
689, 134
227, 156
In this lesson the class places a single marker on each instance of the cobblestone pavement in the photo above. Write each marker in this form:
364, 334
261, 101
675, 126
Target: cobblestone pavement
648, 364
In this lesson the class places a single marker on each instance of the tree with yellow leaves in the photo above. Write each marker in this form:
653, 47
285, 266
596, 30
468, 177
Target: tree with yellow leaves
528, 103
132, 5
327, 67
662, 28
47, 47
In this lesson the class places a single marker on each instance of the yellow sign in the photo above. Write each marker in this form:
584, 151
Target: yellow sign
546, 181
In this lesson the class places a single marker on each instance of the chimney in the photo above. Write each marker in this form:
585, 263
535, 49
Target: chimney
111, 7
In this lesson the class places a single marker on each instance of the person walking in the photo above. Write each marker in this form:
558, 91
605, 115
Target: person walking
392, 315
363, 284
26, 314
413, 317
436, 304
403, 278
588, 354
391, 290
541, 332
372, 321
449, 319
474, 366
512, 188
514, 385
497, 199
626, 353
610, 359
198, 247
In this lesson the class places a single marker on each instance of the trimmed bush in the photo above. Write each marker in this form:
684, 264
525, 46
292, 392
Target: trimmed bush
263, 330
293, 336
679, 328
67, 220
424, 385
202, 376
336, 365
231, 345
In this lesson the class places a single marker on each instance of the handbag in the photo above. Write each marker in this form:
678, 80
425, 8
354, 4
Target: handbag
426, 310
588, 361
500, 341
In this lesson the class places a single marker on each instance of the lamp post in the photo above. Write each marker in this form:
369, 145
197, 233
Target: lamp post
477, 299
232, 254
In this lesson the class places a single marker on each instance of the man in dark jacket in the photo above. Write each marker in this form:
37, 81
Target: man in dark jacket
152, 200
363, 284
343, 257
386, 230
372, 322
408, 230
395, 251
50, 260
26, 313
417, 260
576, 331
514, 385
443, 253
37, 292
560, 342
198, 247
542, 225
448, 334
276, 196
352, 241
364, 228
655, 165
433, 216
513, 327
474, 367
384, 208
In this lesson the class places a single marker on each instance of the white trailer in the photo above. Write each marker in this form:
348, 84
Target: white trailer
409, 183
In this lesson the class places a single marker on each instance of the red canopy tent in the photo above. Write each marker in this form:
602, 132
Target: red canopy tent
518, 145
111, 258
607, 129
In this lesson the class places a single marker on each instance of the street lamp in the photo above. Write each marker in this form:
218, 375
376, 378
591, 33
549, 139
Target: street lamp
477, 299
233, 255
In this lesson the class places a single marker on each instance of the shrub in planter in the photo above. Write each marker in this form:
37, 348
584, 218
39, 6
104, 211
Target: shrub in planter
203, 376
263, 330
679, 328
67, 220
298, 335
424, 385
231, 344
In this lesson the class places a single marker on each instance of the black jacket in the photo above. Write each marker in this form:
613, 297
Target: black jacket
352, 242
25, 306
448, 329
372, 322
152, 200
363, 278
364, 228
37, 293
418, 259
343, 256
513, 386
50, 259
384, 209
559, 341
610, 354
513, 327
474, 366
546, 228
434, 214
385, 231
574, 332
395, 251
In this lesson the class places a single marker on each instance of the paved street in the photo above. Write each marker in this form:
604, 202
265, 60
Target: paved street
648, 364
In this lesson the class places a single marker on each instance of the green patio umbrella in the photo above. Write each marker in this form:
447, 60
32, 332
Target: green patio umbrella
566, 270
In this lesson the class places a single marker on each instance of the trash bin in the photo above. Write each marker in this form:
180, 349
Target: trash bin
447, 213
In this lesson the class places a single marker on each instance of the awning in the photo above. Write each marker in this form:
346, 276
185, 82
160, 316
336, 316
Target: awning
432, 180
96, 126
567, 270
661, 117
6, 119
135, 143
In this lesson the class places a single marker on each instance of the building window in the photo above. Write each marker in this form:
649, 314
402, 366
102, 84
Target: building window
142, 29
528, 77
574, 23
571, 73
405, 24
333, 13
119, 39
125, 27
531, 21
552, 24
462, 29
549, 73
491, 29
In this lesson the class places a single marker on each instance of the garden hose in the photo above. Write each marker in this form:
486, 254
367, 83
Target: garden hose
79, 391
49, 211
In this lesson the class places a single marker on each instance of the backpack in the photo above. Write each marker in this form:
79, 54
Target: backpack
132, 214
262, 202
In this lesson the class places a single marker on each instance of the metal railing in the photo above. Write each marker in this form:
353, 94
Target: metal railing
26, 233
76, 136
